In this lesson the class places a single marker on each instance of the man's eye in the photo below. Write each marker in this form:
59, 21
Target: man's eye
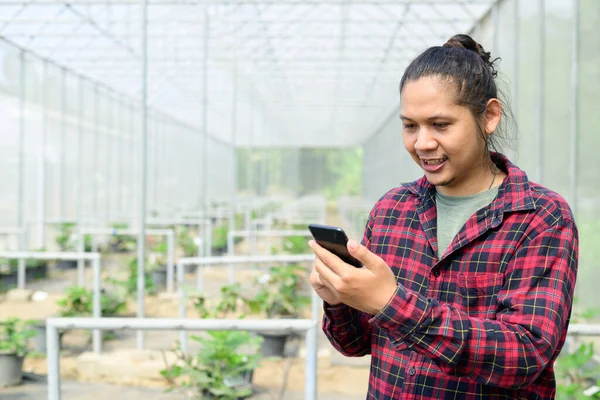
410, 126
440, 125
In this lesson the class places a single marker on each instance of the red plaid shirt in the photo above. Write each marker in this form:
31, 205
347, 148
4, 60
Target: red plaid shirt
484, 321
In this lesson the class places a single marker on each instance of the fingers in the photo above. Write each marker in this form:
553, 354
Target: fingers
315, 279
329, 259
363, 254
327, 277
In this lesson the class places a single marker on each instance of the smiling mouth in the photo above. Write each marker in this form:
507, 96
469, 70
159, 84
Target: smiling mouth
433, 161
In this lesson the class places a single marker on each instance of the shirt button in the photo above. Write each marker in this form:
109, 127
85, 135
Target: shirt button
436, 273
412, 371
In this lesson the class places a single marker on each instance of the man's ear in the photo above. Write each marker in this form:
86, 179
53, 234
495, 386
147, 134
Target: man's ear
493, 114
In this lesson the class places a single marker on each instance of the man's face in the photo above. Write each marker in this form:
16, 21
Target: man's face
442, 137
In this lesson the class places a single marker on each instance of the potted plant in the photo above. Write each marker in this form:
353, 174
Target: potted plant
278, 297
87, 243
223, 367
157, 265
78, 302
66, 243
296, 245
121, 243
36, 269
9, 271
129, 285
14, 345
188, 247
219, 239
186, 242
8, 274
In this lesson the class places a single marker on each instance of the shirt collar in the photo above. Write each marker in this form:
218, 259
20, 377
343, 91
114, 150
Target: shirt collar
514, 194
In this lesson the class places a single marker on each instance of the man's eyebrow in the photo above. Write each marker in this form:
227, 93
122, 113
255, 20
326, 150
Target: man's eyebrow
432, 118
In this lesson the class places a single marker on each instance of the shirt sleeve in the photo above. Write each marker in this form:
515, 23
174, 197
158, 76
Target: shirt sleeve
510, 351
349, 330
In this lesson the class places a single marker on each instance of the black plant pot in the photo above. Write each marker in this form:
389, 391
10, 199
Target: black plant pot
273, 344
218, 251
63, 265
119, 248
191, 268
159, 277
11, 369
8, 281
38, 342
37, 272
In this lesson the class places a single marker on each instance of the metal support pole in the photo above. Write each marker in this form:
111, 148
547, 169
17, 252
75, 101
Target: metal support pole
170, 260
63, 141
95, 153
496, 27
41, 203
208, 237
107, 160
158, 203
130, 166
21, 175
97, 311
180, 281
141, 248
21, 275
81, 263
78, 170
208, 241
312, 340
52, 352
232, 206
230, 252
200, 269
541, 93
516, 64
573, 156
120, 138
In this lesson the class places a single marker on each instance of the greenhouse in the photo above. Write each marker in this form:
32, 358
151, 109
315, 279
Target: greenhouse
162, 160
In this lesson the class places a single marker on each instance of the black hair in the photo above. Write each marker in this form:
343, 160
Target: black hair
464, 63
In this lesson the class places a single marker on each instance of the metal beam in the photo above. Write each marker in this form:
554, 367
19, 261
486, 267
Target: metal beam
250, 53
574, 136
282, 21
253, 37
141, 240
227, 3
256, 62
541, 93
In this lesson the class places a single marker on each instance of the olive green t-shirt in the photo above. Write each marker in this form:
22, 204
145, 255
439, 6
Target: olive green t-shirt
454, 211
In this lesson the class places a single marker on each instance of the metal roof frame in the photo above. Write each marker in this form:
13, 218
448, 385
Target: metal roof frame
328, 56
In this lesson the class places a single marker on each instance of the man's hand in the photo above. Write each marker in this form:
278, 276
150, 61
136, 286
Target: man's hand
323, 291
367, 289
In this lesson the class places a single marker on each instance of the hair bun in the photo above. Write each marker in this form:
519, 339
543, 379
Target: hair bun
467, 42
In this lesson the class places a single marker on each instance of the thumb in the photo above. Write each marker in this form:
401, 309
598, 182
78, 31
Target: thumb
362, 254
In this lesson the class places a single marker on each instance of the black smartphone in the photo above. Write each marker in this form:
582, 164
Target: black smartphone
334, 239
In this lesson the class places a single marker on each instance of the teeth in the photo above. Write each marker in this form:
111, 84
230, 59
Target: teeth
434, 162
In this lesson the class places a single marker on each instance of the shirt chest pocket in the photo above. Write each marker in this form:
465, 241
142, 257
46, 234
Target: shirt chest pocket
478, 293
